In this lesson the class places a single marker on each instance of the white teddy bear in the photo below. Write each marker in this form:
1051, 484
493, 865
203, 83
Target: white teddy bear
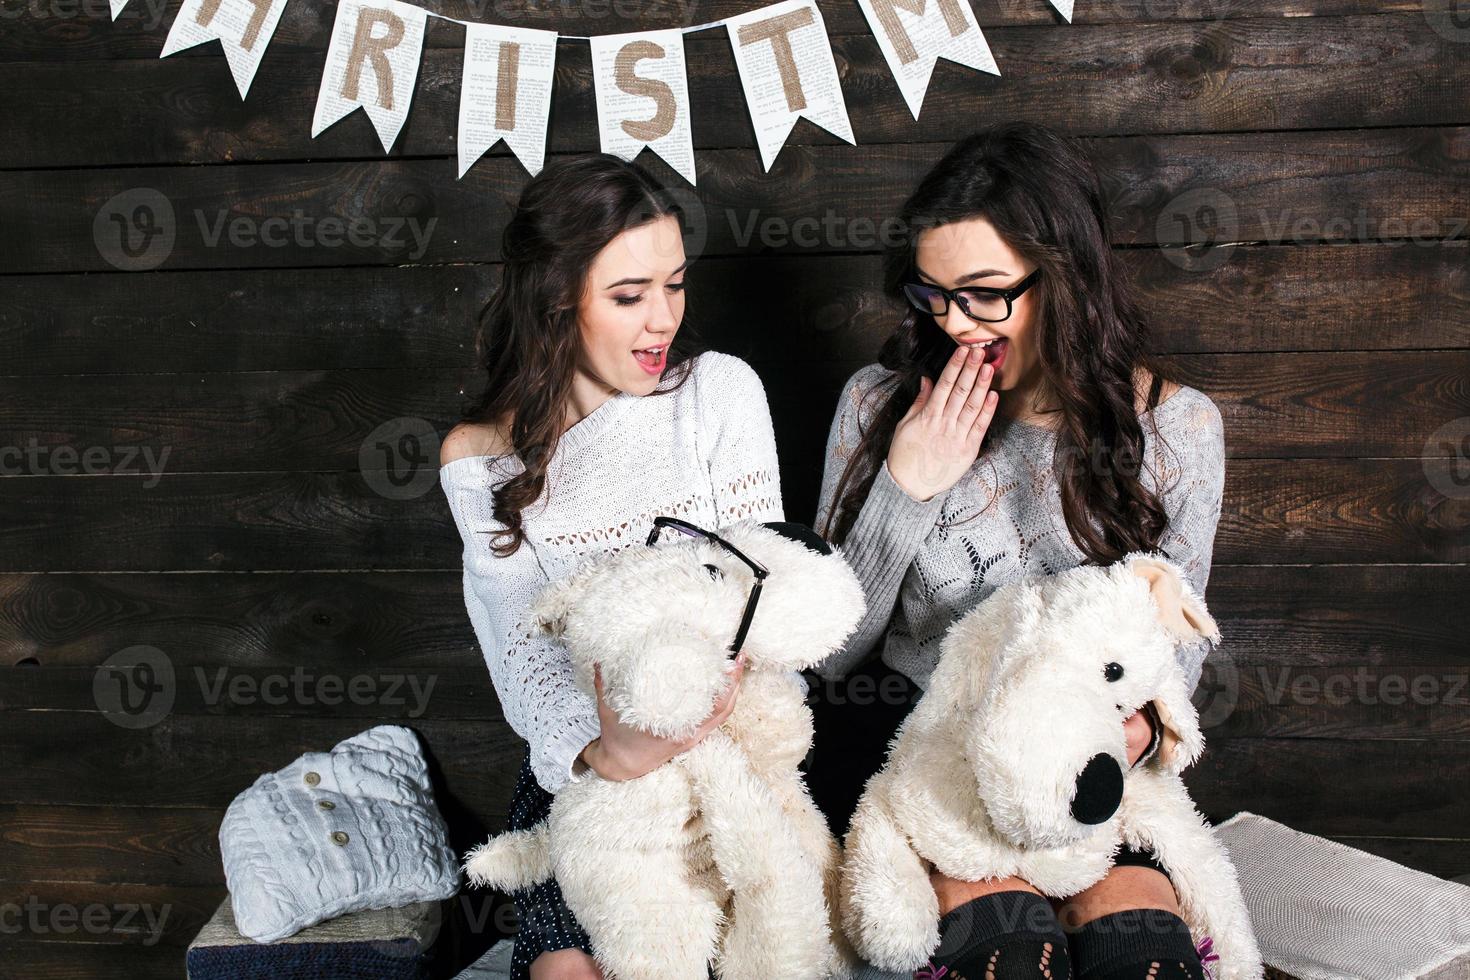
1013, 763
719, 857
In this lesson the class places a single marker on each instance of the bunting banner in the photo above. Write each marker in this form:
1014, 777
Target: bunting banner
505, 93
243, 28
640, 80
372, 64
643, 96
787, 71
913, 34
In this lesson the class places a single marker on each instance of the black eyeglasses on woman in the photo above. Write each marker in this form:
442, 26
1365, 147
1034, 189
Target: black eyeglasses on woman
759, 570
983, 303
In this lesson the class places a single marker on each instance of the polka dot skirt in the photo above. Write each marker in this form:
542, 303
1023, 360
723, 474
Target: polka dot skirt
545, 921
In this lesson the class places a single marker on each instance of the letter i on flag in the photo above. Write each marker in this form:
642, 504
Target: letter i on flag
372, 63
244, 29
643, 97
913, 34
505, 93
787, 71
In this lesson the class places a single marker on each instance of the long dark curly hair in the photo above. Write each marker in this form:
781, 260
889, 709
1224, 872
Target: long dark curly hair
1043, 196
528, 343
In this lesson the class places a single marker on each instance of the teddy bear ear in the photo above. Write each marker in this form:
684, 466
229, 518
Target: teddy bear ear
1181, 743
801, 533
1180, 610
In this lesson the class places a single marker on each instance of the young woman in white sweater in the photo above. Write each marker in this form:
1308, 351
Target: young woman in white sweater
597, 415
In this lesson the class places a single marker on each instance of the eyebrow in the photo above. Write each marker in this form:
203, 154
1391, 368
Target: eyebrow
982, 274
645, 281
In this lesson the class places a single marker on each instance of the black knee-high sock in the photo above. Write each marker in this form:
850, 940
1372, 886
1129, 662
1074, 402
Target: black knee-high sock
1136, 944
1010, 935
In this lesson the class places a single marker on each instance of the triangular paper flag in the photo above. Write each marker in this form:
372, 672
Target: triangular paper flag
1064, 7
643, 96
372, 63
244, 29
787, 71
914, 33
116, 7
505, 93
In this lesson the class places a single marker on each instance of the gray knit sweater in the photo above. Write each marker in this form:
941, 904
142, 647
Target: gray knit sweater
923, 564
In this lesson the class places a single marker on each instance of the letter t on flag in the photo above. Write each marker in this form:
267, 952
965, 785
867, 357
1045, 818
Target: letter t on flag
372, 63
505, 93
643, 96
913, 34
787, 71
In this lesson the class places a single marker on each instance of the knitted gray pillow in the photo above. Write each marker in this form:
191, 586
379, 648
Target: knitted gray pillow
336, 832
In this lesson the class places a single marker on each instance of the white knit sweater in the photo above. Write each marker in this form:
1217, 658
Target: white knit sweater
923, 564
705, 452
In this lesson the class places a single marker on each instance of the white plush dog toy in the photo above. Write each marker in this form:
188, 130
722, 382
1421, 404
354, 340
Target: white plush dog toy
718, 857
1013, 763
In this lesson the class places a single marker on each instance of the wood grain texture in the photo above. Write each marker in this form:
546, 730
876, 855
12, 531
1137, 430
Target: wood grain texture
1289, 186
1262, 298
1298, 188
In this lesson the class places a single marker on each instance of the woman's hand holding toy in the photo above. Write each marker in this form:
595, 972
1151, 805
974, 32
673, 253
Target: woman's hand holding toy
623, 752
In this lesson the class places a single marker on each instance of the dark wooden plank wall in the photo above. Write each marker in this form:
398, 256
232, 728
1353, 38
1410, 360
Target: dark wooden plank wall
1321, 148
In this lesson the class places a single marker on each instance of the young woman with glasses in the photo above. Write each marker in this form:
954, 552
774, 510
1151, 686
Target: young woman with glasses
598, 415
1014, 424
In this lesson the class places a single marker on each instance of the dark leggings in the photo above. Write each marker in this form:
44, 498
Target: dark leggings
1015, 935
855, 719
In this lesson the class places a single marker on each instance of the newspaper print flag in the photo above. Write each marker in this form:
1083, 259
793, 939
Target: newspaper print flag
243, 27
505, 93
787, 71
913, 34
643, 96
372, 63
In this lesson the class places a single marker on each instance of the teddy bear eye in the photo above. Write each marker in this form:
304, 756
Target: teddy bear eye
715, 572
1113, 671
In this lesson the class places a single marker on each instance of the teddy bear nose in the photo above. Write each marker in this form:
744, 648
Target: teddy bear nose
1099, 790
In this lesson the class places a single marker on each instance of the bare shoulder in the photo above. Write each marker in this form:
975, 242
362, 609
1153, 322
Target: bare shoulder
1145, 380
473, 439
